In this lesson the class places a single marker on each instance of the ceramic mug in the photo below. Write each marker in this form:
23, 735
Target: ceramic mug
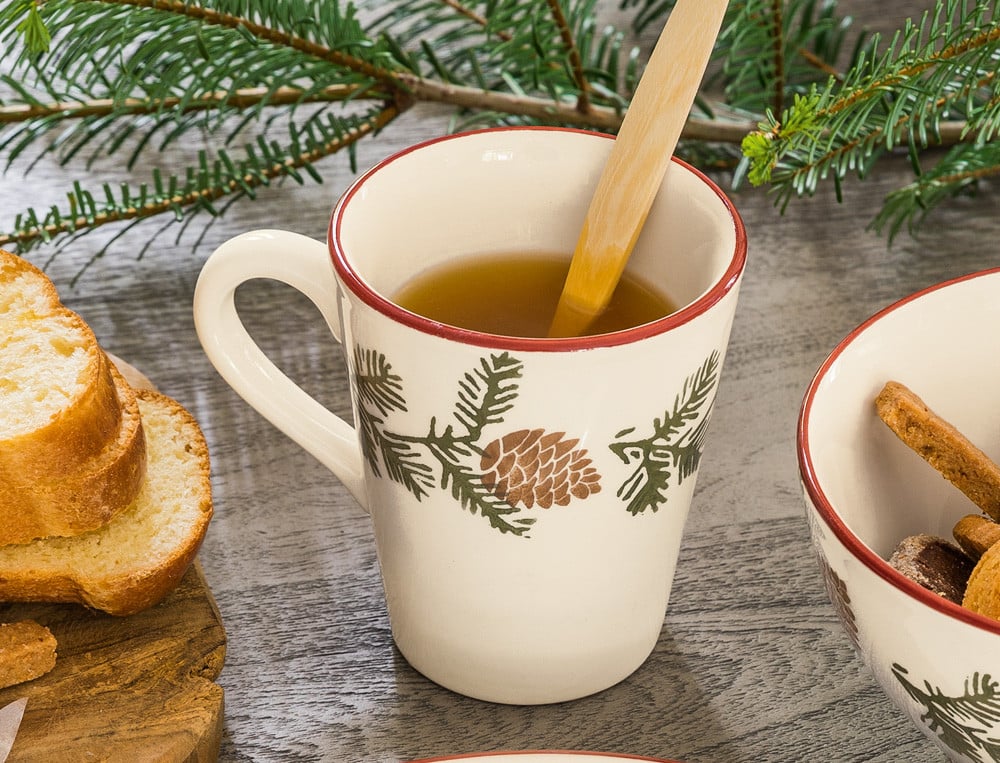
527, 496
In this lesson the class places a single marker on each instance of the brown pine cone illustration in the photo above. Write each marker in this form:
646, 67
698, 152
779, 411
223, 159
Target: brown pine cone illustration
529, 466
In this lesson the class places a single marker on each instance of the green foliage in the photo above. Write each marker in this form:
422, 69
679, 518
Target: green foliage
941, 66
380, 392
966, 723
674, 448
485, 394
797, 95
31, 27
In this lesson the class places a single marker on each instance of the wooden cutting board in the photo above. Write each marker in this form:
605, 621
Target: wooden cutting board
136, 689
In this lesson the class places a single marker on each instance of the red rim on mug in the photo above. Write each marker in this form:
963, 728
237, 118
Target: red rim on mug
379, 302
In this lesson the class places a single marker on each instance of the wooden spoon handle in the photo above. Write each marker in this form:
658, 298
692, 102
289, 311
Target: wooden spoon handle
639, 158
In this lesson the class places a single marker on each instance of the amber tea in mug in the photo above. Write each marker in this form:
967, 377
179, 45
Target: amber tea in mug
515, 294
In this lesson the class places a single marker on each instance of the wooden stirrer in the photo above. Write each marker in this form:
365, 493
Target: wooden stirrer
639, 158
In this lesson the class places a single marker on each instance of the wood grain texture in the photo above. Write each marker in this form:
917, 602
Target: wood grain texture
139, 688
751, 665
638, 161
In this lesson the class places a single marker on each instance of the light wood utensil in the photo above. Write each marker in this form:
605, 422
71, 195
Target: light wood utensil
639, 158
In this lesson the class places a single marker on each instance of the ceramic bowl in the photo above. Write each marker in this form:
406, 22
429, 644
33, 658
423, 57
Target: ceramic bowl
865, 491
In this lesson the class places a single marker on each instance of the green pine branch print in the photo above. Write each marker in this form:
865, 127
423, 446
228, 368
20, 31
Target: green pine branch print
378, 387
485, 394
969, 724
674, 448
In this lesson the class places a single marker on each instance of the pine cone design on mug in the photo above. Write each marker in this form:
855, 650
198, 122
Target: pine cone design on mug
530, 466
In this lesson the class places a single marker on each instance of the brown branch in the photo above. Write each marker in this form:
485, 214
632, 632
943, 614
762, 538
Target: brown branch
473, 16
575, 62
985, 37
958, 177
716, 130
240, 99
948, 133
818, 63
778, 31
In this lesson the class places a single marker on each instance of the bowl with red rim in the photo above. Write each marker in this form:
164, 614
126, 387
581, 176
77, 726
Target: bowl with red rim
865, 491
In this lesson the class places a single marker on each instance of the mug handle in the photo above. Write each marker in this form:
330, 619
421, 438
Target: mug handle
304, 264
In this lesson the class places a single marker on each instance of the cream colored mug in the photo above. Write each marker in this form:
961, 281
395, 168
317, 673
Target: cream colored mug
528, 496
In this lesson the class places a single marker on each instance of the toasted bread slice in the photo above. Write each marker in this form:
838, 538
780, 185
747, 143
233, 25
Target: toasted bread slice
27, 651
139, 556
72, 452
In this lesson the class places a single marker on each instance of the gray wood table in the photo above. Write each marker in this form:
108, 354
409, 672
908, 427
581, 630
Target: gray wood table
751, 664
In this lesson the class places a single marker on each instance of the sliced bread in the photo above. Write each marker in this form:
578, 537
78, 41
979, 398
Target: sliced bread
139, 556
72, 453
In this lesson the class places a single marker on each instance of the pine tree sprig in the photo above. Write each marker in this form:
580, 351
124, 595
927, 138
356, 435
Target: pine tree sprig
202, 188
956, 173
792, 105
846, 125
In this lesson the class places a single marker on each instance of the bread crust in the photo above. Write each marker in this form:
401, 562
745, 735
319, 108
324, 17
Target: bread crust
73, 434
164, 528
87, 496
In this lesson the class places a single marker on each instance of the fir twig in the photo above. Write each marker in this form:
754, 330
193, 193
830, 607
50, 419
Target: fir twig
200, 190
945, 63
81, 79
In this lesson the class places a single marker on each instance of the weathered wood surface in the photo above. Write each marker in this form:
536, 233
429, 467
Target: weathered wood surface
751, 665
139, 688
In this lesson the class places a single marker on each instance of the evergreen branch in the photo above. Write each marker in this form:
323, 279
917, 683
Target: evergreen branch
244, 98
403, 465
212, 182
246, 25
962, 723
844, 127
602, 118
401, 462
688, 455
696, 391
112, 73
31, 27
471, 14
956, 173
646, 487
